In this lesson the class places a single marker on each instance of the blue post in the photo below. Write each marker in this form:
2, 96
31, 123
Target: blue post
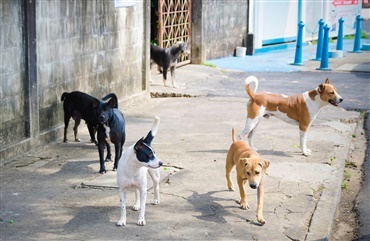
298, 50
319, 40
325, 50
340, 35
356, 46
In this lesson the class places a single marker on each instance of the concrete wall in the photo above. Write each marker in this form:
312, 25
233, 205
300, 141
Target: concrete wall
218, 27
85, 45
12, 114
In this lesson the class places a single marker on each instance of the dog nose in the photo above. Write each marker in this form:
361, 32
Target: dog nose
160, 163
253, 185
101, 118
340, 100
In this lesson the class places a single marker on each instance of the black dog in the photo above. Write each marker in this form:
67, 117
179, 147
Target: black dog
111, 128
167, 58
79, 105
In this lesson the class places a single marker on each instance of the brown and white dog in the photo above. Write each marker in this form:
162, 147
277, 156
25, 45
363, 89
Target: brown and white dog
300, 109
249, 167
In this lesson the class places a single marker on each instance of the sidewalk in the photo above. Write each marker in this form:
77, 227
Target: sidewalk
56, 193
281, 60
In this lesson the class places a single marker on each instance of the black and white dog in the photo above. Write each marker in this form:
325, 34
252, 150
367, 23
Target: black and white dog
132, 173
167, 59
111, 129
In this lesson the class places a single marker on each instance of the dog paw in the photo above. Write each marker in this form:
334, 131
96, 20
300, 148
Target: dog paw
65, 141
175, 86
261, 220
231, 188
77, 140
156, 202
306, 152
243, 204
136, 207
121, 222
102, 171
141, 222
94, 141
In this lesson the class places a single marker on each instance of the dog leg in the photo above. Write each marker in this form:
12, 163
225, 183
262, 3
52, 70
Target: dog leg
143, 193
118, 151
250, 137
75, 129
109, 153
243, 195
260, 195
165, 76
92, 132
122, 196
229, 166
249, 129
101, 157
155, 175
303, 142
136, 206
173, 77
66, 122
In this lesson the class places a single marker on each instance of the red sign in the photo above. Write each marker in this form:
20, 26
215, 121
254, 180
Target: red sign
345, 2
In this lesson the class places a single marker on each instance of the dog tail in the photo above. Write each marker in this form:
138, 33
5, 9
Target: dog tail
248, 81
150, 136
64, 96
114, 96
233, 134
155, 125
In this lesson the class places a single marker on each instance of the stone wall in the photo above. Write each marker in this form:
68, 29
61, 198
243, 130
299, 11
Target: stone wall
12, 114
218, 27
85, 45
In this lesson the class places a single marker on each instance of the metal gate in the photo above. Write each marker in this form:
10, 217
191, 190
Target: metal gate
175, 25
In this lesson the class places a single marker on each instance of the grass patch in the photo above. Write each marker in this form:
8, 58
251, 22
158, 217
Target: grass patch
350, 164
209, 64
346, 174
344, 185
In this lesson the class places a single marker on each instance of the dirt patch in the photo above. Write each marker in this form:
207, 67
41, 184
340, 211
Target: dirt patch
346, 220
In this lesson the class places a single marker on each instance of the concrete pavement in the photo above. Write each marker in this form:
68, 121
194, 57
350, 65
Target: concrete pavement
55, 193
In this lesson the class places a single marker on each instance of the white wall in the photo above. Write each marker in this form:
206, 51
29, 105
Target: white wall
276, 21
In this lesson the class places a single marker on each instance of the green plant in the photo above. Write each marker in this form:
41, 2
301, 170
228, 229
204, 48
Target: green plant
332, 159
209, 65
354, 135
346, 174
344, 185
350, 164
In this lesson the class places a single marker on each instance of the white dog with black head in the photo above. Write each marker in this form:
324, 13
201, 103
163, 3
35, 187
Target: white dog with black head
132, 173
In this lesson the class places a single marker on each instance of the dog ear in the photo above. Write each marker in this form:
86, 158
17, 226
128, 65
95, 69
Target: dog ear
321, 88
95, 103
139, 145
148, 139
243, 161
327, 81
113, 103
266, 164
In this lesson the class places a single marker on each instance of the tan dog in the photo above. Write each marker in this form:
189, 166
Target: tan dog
300, 109
249, 166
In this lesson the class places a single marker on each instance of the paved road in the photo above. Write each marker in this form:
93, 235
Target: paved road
44, 194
